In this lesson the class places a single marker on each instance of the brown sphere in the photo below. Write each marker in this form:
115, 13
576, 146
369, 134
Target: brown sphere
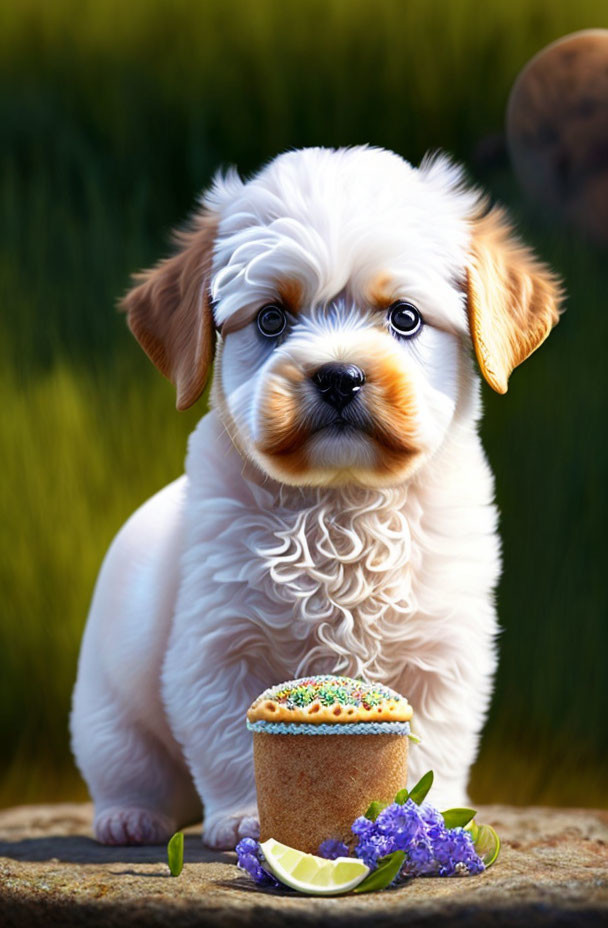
557, 130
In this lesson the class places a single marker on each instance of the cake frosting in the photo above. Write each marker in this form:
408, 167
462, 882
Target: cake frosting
320, 704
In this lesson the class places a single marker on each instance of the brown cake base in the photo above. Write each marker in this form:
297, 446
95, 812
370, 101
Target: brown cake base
312, 787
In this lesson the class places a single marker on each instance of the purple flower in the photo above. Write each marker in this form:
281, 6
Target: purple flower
250, 859
430, 815
463, 851
395, 829
453, 852
332, 848
420, 860
431, 849
402, 822
362, 826
372, 847
248, 846
252, 866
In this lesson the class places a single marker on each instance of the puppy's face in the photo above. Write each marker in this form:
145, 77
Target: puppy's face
343, 329
346, 286
359, 388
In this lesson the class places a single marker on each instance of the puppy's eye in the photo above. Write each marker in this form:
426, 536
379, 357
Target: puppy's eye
404, 318
272, 320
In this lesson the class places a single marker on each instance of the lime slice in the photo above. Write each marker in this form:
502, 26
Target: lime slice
487, 844
314, 875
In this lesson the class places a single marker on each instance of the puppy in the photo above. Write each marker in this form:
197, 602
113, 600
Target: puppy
336, 514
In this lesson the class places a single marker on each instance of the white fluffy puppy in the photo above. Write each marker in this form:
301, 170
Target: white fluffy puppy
337, 513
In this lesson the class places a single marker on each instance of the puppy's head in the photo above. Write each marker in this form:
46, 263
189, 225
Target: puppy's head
347, 287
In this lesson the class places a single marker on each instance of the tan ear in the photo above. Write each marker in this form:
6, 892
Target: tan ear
512, 298
169, 311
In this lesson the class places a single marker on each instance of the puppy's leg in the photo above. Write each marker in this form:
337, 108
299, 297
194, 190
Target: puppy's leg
450, 708
207, 701
446, 750
141, 793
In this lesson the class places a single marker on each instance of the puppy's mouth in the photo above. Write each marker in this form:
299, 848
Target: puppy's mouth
341, 424
344, 431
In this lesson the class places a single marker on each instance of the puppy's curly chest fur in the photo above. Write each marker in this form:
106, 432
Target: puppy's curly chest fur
349, 580
336, 563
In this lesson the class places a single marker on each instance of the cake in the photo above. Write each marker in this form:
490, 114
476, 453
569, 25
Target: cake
324, 747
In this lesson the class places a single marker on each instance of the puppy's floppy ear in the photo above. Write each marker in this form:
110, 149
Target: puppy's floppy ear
169, 310
512, 298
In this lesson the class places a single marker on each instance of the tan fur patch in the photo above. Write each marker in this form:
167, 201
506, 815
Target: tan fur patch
170, 314
512, 298
391, 401
380, 292
291, 292
283, 430
284, 434
288, 371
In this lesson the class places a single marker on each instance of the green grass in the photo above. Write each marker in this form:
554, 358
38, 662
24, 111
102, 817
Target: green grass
116, 115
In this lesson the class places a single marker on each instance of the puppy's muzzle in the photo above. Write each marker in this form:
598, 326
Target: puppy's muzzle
338, 384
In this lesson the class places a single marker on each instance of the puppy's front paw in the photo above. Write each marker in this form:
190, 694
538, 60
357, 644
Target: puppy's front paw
224, 830
127, 825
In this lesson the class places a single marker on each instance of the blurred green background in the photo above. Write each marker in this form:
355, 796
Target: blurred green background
114, 117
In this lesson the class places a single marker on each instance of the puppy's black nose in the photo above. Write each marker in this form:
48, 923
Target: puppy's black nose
338, 384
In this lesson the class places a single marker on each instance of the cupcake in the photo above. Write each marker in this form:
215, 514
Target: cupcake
324, 747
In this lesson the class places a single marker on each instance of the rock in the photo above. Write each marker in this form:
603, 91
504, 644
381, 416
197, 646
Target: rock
553, 870
557, 130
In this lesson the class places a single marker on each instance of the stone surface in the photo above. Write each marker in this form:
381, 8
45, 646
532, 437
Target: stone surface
553, 870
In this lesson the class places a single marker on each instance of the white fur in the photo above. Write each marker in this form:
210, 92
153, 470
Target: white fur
231, 579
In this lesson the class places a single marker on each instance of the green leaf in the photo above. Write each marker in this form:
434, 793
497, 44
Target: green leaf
487, 844
402, 796
414, 738
386, 871
458, 818
175, 853
374, 809
473, 829
419, 791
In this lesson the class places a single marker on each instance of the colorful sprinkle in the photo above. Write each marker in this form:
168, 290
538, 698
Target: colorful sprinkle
329, 690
